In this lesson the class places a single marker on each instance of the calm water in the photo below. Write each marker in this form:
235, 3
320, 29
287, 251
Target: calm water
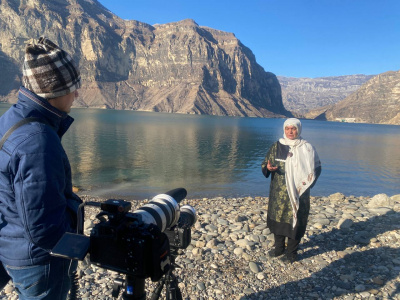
136, 155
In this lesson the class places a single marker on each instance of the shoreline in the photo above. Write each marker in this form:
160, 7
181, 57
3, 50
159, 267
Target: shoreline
351, 250
94, 194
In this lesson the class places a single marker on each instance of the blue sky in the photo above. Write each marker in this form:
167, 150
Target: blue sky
294, 38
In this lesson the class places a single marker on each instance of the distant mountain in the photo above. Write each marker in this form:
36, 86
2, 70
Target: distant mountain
300, 95
377, 101
177, 67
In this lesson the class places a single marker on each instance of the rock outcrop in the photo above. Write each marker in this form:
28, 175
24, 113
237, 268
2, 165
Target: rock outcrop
178, 67
377, 101
300, 95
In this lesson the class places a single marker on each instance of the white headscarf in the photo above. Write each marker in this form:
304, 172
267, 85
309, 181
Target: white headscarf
300, 166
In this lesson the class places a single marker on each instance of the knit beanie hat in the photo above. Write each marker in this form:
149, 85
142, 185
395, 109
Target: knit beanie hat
48, 70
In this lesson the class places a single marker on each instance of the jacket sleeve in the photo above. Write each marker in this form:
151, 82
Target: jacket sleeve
73, 203
39, 186
269, 157
264, 169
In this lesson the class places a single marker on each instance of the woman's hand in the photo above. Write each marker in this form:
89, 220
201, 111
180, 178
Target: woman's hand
270, 167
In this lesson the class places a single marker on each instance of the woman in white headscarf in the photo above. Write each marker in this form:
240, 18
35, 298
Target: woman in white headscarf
295, 167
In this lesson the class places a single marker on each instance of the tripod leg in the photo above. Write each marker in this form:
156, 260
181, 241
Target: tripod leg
178, 294
173, 292
157, 290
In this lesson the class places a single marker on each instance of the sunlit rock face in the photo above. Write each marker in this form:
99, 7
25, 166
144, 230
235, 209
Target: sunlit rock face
301, 95
377, 101
177, 67
353, 98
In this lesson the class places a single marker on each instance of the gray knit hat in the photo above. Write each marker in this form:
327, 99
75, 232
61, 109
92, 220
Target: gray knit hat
49, 71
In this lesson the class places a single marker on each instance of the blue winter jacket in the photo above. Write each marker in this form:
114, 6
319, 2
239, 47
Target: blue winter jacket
36, 197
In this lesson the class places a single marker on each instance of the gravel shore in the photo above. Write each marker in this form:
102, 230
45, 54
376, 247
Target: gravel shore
351, 250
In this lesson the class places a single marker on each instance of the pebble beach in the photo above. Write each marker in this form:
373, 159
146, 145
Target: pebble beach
351, 250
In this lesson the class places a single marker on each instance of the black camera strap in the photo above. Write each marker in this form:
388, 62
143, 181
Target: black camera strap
17, 125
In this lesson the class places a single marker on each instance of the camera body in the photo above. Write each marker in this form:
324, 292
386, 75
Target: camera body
137, 244
125, 244
180, 235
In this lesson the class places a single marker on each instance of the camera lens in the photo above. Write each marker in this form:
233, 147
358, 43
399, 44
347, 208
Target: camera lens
187, 217
162, 211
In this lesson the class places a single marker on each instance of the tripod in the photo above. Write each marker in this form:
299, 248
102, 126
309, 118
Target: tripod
170, 281
134, 286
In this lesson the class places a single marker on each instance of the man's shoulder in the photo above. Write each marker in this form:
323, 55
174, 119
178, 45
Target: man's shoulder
30, 138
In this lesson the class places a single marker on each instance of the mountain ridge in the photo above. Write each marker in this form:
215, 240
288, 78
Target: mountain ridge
177, 67
376, 101
303, 94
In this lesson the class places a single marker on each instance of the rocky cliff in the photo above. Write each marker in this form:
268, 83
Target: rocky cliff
177, 67
301, 95
377, 101
352, 98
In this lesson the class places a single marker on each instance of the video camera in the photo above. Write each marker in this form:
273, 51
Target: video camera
140, 244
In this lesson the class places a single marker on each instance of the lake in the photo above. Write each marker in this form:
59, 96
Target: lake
136, 155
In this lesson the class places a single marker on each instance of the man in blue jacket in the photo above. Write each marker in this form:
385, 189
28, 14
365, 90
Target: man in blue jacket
37, 204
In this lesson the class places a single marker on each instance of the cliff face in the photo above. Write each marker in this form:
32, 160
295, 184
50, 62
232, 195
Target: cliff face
300, 95
377, 101
352, 98
177, 67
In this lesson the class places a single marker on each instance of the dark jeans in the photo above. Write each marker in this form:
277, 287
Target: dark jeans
4, 277
49, 281
292, 246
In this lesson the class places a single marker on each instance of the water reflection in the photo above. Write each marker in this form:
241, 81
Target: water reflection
142, 152
136, 155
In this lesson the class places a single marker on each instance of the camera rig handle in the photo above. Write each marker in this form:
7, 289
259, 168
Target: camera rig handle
81, 214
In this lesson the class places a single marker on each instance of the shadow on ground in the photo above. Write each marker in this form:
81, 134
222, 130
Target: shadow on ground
362, 269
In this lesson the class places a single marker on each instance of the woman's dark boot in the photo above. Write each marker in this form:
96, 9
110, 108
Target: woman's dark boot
291, 255
279, 248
